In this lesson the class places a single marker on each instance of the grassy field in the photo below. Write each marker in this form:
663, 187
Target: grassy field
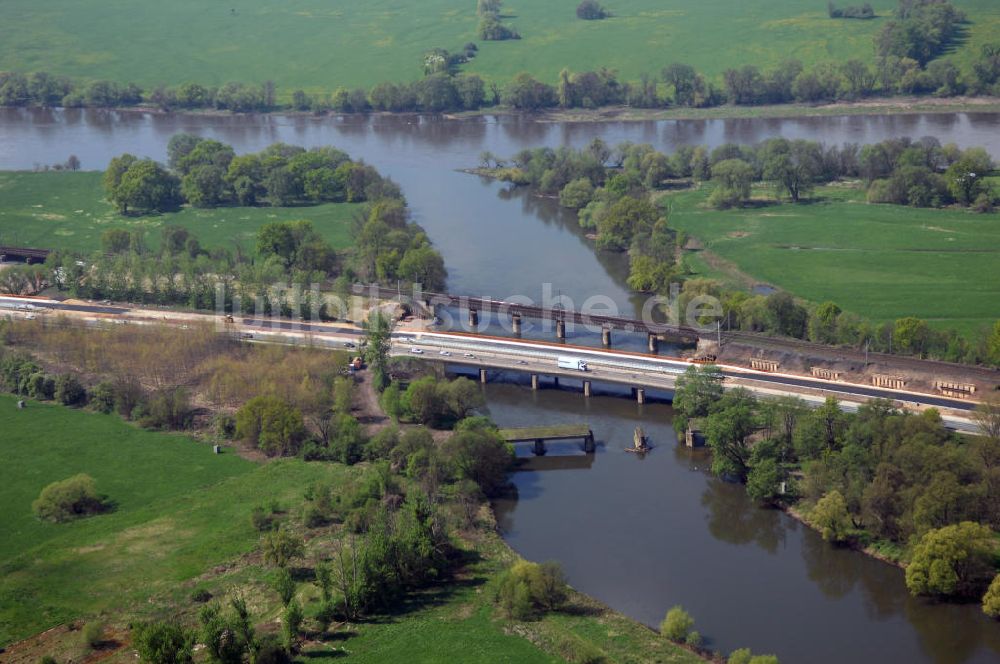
68, 211
319, 45
880, 261
182, 522
179, 509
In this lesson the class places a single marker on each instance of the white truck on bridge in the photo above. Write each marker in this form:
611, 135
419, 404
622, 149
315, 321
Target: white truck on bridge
572, 363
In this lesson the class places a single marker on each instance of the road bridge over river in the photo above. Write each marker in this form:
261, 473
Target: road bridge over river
638, 372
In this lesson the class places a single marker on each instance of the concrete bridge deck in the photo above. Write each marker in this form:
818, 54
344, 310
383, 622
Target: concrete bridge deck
539, 435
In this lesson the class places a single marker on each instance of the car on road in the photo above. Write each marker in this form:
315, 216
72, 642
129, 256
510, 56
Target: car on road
470, 355
416, 351
445, 353
521, 362
348, 344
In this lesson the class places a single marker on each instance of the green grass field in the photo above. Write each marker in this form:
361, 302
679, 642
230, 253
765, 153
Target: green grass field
181, 522
319, 45
62, 210
882, 262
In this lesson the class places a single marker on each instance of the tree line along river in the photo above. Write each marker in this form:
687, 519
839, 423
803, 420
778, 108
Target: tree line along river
641, 534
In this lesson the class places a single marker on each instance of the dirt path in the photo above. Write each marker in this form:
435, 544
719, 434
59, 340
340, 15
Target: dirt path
368, 410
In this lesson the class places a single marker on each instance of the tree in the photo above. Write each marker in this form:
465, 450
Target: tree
271, 424
281, 547
676, 624
792, 165
823, 323
163, 643
378, 342
734, 177
180, 146
954, 561
205, 186
69, 499
116, 241
967, 177
143, 185
764, 481
528, 589
991, 600
425, 266
284, 585
987, 416
695, 392
291, 625
830, 515
481, 456
591, 10
69, 391
731, 422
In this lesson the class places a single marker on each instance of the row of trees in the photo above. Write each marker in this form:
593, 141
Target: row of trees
921, 30
864, 11
877, 475
207, 173
611, 187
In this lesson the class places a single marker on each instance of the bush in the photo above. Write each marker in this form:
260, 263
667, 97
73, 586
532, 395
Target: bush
693, 639
102, 397
261, 520
991, 600
69, 499
69, 391
93, 635
591, 10
169, 409
954, 561
284, 585
676, 624
528, 589
163, 643
200, 595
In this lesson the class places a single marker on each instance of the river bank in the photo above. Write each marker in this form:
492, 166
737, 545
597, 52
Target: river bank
909, 105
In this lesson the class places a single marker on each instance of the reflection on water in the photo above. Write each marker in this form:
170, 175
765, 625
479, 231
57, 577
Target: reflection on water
645, 534
641, 534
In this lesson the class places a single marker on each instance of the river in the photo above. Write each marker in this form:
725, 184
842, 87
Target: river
639, 534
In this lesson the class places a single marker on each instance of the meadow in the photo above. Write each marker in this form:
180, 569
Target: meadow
882, 262
68, 210
181, 523
319, 45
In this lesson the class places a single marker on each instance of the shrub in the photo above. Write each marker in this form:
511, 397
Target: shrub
68, 499
292, 624
693, 639
169, 409
47, 659
591, 10
69, 391
954, 561
991, 600
200, 595
261, 520
281, 546
529, 589
93, 635
676, 624
163, 643
102, 397
271, 424
284, 585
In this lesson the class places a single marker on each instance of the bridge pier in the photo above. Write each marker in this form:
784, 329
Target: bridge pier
473, 318
640, 395
555, 380
606, 336
539, 447
515, 322
588, 444
534, 381
560, 329
482, 376
586, 388
653, 343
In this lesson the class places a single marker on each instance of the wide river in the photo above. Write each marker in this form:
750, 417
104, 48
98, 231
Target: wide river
641, 534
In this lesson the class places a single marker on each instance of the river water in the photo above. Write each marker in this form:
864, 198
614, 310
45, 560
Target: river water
641, 534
